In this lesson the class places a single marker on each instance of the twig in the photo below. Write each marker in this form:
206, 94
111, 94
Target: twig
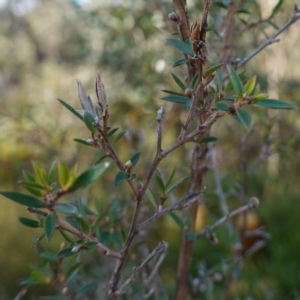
256, 247
295, 17
178, 205
219, 189
254, 202
162, 247
21, 293
67, 227
160, 115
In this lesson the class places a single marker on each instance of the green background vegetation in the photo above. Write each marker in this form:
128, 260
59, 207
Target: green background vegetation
46, 45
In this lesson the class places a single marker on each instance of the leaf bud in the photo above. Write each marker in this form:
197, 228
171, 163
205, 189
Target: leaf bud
128, 166
173, 17
254, 201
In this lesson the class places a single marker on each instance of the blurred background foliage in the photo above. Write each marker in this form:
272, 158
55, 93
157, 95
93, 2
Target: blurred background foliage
47, 45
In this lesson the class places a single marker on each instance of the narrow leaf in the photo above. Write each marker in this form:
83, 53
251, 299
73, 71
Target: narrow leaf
178, 81
112, 131
274, 104
209, 139
63, 173
87, 142
120, 135
244, 116
160, 183
120, 177
176, 99
179, 62
86, 102
135, 158
176, 183
66, 252
100, 91
51, 172
87, 177
66, 208
151, 198
182, 46
170, 179
222, 105
89, 122
71, 109
176, 219
250, 86
85, 289
49, 226
219, 80
235, 79
277, 7
29, 222
172, 93
209, 71
98, 161
28, 176
24, 199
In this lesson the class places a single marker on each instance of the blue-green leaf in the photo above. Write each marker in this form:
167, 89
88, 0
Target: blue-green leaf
176, 99
178, 81
24, 199
87, 177
49, 226
120, 177
212, 69
244, 116
66, 208
182, 46
71, 109
135, 158
179, 62
235, 79
274, 104
87, 142
222, 105
209, 139
29, 222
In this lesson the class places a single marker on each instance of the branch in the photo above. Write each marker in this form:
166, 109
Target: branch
162, 247
178, 205
295, 17
254, 202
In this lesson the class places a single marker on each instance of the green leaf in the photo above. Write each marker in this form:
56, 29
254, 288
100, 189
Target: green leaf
135, 158
244, 116
209, 139
87, 142
235, 79
170, 179
178, 81
53, 298
51, 172
85, 100
160, 184
176, 219
98, 161
220, 4
180, 62
176, 183
66, 208
194, 81
71, 109
172, 93
41, 173
89, 122
243, 11
34, 185
49, 226
28, 176
67, 237
73, 272
151, 198
63, 173
120, 135
222, 105
182, 46
277, 7
29, 222
250, 86
212, 69
87, 177
219, 80
24, 199
274, 104
120, 177
112, 131
85, 289
66, 252
176, 99
37, 240
49, 256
